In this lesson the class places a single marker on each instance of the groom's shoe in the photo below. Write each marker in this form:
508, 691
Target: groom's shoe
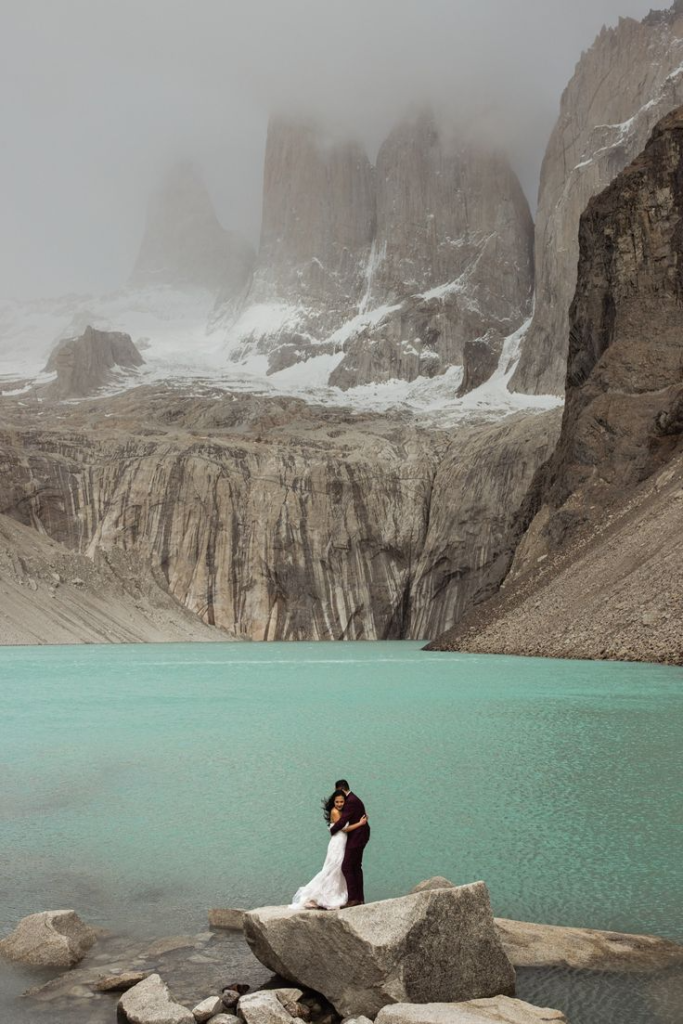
352, 903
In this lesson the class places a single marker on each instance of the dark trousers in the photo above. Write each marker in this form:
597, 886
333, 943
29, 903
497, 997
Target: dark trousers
352, 870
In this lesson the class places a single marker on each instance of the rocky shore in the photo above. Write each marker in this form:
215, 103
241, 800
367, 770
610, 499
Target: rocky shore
435, 956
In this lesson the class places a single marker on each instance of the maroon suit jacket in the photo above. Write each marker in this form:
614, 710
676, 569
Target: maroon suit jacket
353, 812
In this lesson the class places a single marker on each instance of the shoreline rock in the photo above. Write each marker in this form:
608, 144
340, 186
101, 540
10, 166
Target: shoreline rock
437, 945
53, 938
499, 1010
150, 1002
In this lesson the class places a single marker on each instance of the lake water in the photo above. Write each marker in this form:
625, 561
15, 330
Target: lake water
142, 785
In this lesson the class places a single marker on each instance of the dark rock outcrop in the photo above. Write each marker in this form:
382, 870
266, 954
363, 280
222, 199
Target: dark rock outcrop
623, 85
609, 495
85, 364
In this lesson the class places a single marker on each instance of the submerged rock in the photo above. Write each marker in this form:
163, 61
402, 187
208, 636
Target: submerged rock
499, 1010
227, 917
121, 982
438, 945
151, 1002
54, 938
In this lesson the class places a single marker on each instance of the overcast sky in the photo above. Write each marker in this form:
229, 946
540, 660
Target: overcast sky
97, 96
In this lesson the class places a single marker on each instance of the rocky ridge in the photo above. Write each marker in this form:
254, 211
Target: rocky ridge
622, 86
608, 499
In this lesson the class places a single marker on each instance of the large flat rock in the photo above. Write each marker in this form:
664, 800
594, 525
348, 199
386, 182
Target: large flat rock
546, 945
440, 945
499, 1010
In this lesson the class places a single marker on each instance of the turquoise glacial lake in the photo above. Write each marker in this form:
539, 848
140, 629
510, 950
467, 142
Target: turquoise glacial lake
143, 785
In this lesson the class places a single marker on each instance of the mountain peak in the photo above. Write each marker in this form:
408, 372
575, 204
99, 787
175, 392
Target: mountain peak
184, 244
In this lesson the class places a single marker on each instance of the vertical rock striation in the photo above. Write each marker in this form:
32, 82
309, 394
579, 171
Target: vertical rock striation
317, 227
452, 255
623, 85
274, 519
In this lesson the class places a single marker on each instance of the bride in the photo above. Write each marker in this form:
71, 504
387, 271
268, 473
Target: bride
327, 891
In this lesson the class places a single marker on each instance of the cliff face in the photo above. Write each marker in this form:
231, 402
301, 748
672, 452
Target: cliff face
452, 256
621, 443
386, 272
271, 518
52, 595
184, 245
630, 78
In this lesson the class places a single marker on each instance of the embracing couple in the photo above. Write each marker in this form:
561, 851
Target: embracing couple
340, 882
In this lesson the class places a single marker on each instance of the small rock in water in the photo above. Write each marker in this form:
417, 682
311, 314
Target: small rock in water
438, 882
121, 982
208, 1008
264, 1007
150, 1002
223, 1018
169, 945
54, 938
231, 994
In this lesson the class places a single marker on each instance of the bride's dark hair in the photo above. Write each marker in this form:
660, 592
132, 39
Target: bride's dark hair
328, 804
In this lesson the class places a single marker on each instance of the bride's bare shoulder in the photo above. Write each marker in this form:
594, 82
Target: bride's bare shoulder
335, 815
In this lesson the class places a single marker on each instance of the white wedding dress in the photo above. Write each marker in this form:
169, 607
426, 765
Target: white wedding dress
328, 888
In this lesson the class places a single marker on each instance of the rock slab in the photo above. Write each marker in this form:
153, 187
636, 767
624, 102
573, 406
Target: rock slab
546, 945
150, 1002
54, 938
208, 1009
435, 946
499, 1010
267, 1007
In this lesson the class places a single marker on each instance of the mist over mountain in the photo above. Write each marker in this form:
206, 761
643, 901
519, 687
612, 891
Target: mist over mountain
100, 100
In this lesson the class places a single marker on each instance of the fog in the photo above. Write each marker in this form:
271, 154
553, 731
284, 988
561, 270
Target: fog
98, 96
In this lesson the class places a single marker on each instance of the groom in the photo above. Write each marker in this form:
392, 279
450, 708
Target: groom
356, 841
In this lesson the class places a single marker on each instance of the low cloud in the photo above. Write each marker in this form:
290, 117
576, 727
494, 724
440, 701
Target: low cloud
98, 97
